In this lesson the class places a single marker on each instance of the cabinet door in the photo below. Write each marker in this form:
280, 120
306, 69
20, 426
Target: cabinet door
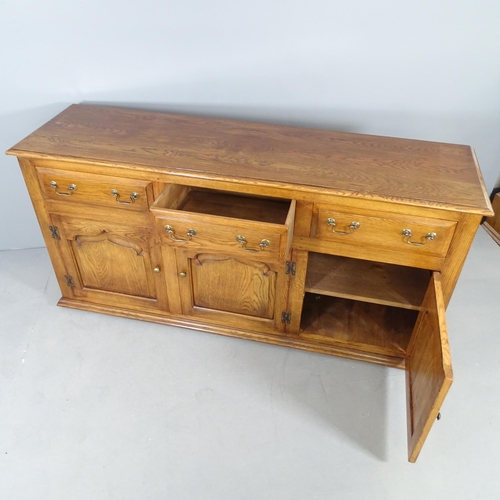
428, 368
232, 291
111, 263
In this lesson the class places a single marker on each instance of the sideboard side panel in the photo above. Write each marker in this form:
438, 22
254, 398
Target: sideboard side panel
35, 192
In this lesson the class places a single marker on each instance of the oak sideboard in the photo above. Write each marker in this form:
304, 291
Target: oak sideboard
338, 243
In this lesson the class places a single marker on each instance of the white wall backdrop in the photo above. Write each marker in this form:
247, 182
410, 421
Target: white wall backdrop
427, 69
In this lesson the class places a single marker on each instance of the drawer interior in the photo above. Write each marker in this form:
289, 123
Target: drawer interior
224, 204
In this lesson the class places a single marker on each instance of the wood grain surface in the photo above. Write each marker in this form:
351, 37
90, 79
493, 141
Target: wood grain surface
236, 206
383, 230
367, 281
368, 327
228, 284
110, 262
95, 189
241, 311
370, 167
219, 218
428, 368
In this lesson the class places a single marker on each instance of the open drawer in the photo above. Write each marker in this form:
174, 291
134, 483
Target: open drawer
228, 222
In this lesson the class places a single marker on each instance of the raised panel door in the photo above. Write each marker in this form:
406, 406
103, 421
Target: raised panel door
232, 291
111, 263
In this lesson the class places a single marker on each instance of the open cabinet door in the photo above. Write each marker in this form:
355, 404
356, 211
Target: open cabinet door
428, 367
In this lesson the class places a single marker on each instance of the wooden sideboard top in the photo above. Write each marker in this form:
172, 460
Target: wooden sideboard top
415, 172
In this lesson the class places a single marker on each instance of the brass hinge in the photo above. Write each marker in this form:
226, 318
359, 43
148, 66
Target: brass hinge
69, 280
290, 268
286, 317
54, 232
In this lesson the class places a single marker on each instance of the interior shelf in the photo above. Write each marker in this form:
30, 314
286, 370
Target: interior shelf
361, 325
366, 281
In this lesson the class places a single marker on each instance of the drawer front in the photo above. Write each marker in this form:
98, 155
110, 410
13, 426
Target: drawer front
408, 235
78, 187
189, 231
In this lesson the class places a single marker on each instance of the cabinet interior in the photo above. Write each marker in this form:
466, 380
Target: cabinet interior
363, 325
224, 204
371, 305
366, 281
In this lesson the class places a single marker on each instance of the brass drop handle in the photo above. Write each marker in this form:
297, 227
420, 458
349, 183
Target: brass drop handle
71, 188
352, 226
263, 244
133, 197
407, 235
157, 269
170, 230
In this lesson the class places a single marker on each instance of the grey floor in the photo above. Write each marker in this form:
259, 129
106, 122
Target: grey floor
93, 406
